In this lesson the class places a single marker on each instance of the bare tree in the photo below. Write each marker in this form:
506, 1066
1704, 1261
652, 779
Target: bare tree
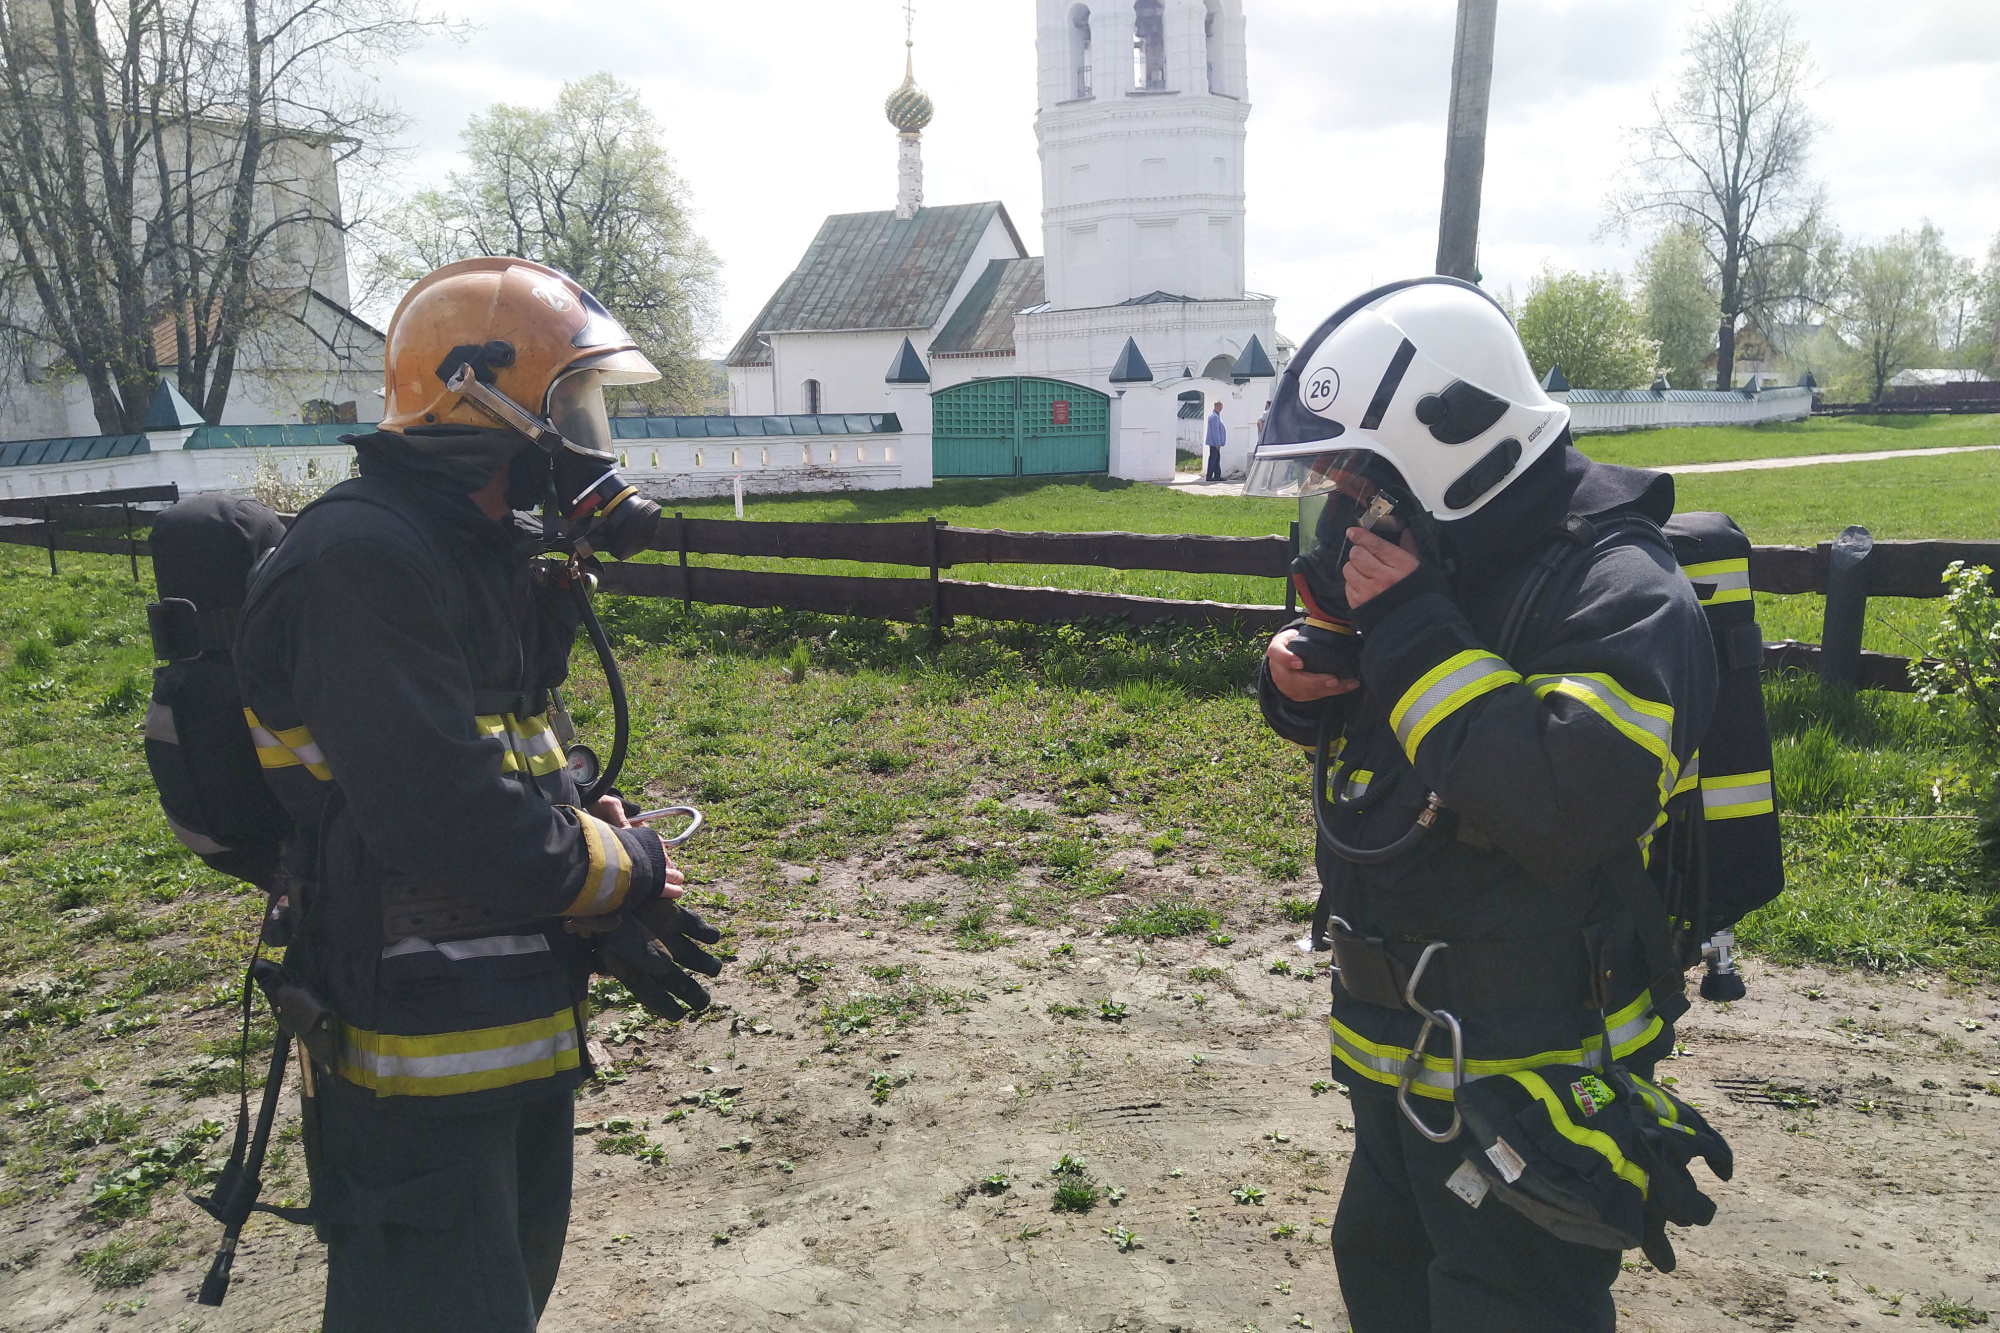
1726, 154
169, 172
585, 186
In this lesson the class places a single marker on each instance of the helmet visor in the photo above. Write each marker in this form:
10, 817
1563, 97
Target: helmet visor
576, 410
1318, 472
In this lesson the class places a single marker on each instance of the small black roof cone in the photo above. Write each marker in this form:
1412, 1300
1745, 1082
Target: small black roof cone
1131, 368
908, 367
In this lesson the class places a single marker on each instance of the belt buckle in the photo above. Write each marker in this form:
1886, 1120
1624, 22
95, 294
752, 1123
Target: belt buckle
1433, 1019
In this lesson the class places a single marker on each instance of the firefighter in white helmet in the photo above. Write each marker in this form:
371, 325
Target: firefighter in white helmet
1502, 675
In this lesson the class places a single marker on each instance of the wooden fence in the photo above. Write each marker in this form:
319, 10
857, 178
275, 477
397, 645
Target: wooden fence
1848, 570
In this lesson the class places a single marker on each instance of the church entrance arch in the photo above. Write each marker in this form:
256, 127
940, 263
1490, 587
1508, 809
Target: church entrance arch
1019, 426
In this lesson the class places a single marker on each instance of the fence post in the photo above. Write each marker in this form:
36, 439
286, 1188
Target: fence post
49, 531
1846, 608
687, 593
131, 547
1291, 589
937, 589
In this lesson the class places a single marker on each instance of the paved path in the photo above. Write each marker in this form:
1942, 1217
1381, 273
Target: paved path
1191, 483
1811, 460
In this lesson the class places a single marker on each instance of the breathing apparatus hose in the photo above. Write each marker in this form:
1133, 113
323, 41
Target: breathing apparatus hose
621, 709
1367, 856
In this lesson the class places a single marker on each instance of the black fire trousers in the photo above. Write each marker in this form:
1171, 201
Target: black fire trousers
1414, 1258
442, 1223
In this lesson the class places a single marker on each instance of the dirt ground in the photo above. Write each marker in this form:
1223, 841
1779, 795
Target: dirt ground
1864, 1112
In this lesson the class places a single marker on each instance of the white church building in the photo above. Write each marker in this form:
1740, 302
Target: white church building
1100, 354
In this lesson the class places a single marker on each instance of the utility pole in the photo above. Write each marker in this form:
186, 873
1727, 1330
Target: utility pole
1465, 139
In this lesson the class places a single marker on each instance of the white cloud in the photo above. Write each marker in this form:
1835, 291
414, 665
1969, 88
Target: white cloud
773, 113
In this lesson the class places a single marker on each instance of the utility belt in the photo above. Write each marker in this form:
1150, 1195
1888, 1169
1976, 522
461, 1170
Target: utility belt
1473, 978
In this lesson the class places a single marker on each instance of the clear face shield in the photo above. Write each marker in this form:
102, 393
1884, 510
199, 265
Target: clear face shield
1337, 489
610, 514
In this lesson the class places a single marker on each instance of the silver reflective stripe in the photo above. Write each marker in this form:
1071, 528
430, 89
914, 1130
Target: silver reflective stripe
1734, 795
1659, 728
469, 1062
1734, 580
1357, 786
198, 843
487, 946
537, 742
160, 724
1388, 1069
1441, 692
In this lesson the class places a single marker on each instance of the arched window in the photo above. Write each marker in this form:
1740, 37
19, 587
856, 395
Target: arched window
1212, 40
1079, 51
1219, 367
1149, 45
812, 397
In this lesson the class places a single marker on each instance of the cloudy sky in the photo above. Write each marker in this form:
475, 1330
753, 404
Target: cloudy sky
773, 114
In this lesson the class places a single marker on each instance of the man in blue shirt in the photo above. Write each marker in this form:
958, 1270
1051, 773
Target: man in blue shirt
1218, 435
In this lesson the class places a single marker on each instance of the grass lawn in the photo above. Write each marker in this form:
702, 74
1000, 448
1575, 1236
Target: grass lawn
1061, 504
1789, 439
1017, 770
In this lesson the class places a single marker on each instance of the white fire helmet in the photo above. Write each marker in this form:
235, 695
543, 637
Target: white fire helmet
1427, 375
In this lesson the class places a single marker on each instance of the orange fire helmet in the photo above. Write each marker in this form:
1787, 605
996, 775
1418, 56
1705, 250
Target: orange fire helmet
523, 329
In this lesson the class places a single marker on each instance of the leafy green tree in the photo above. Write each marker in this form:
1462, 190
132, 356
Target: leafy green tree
1981, 348
1677, 306
1897, 294
1582, 322
585, 186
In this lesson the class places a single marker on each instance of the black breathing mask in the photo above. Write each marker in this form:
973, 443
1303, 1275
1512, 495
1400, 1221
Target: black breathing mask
1349, 489
571, 471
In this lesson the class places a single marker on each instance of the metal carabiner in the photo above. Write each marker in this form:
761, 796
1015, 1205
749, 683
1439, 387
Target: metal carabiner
1433, 1019
678, 838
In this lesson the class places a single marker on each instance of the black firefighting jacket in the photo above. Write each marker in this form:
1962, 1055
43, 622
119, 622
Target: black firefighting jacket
1554, 769
396, 652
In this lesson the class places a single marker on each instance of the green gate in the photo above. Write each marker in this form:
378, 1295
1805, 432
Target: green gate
1019, 426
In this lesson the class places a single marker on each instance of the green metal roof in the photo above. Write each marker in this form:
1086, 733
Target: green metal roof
75, 449
984, 320
874, 271
698, 428
271, 437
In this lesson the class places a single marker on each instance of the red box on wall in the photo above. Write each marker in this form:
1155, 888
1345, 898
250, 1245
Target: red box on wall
1059, 412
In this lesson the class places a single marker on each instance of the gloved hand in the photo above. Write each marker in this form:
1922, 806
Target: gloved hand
651, 951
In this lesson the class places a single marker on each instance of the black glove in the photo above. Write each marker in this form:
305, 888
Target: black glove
648, 951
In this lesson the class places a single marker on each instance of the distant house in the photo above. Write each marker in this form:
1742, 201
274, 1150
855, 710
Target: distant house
1942, 386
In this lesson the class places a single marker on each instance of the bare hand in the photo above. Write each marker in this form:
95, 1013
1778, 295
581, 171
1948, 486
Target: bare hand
611, 809
1374, 566
1289, 674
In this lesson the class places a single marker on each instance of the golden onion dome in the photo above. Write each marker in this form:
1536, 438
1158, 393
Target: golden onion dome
909, 108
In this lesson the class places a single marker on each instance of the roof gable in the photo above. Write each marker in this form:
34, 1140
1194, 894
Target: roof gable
874, 271
984, 320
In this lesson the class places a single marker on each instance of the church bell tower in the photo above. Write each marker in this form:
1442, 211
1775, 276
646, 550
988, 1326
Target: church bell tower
1140, 120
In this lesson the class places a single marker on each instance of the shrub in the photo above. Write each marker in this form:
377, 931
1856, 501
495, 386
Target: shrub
34, 656
1967, 646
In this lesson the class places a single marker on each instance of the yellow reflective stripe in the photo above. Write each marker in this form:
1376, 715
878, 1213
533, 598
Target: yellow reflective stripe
1690, 776
608, 877
1443, 690
1632, 1027
443, 1064
532, 747
1737, 795
1595, 1140
1648, 725
286, 747
1729, 580
1357, 784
